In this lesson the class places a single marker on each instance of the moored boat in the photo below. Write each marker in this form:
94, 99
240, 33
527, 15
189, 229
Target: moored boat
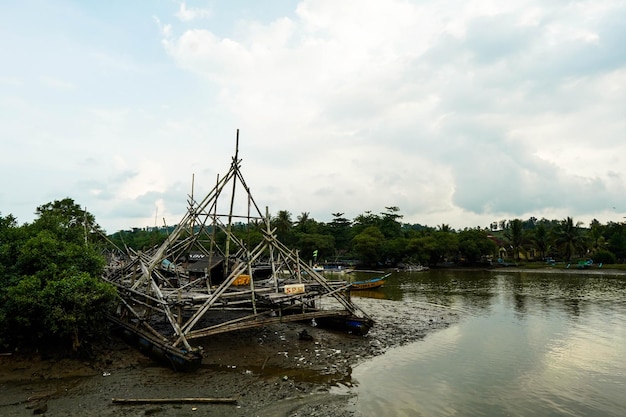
369, 284
352, 324
414, 268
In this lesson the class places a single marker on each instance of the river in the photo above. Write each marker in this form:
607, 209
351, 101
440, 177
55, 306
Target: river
528, 344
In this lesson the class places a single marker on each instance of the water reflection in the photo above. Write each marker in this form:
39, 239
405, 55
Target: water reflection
531, 344
377, 293
454, 289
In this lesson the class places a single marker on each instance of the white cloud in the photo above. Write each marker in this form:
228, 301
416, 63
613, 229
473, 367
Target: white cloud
458, 112
347, 68
188, 14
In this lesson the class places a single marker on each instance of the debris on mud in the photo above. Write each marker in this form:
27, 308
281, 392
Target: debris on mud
271, 371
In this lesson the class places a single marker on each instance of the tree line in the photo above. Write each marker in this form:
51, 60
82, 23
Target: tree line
51, 294
382, 239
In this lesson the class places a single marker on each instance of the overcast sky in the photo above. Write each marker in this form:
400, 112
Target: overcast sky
457, 112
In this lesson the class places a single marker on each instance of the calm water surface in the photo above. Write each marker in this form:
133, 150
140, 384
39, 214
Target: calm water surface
528, 344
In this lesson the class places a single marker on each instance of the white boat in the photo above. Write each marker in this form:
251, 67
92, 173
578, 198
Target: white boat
415, 268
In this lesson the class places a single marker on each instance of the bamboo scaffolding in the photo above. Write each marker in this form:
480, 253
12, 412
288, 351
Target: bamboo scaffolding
166, 301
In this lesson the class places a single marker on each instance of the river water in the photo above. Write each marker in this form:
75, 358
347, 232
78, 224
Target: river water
528, 344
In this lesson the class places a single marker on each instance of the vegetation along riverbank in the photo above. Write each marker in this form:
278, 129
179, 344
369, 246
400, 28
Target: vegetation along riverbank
55, 304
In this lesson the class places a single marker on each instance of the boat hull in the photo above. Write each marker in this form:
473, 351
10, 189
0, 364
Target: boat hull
367, 285
355, 325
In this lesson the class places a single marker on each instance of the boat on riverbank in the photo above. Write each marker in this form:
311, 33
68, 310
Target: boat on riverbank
414, 268
369, 284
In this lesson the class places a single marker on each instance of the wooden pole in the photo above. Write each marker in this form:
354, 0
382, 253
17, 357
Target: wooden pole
174, 400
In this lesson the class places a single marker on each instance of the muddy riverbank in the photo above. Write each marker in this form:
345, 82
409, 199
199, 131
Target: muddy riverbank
269, 371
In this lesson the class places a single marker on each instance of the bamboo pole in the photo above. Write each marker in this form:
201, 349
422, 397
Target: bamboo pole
205, 400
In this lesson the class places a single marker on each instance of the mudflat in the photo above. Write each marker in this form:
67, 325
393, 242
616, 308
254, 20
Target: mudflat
267, 371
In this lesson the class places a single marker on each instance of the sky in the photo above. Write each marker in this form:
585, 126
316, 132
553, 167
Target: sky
460, 112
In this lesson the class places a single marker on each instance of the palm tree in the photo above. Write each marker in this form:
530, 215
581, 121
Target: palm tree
302, 222
283, 224
569, 238
515, 236
541, 240
596, 235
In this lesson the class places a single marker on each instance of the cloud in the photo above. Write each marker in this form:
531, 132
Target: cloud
494, 95
188, 14
457, 112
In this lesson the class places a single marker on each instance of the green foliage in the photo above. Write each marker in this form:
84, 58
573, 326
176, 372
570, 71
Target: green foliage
51, 294
389, 223
11, 239
416, 251
139, 239
340, 230
541, 240
475, 244
569, 239
395, 250
22, 308
343, 238
604, 257
307, 243
368, 245
615, 235
442, 245
516, 237
283, 225
75, 307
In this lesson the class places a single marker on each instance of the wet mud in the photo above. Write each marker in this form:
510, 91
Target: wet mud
269, 371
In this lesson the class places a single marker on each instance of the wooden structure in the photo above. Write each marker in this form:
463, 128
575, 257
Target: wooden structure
203, 280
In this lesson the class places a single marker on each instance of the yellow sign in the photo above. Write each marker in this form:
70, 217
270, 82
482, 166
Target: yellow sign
242, 280
294, 289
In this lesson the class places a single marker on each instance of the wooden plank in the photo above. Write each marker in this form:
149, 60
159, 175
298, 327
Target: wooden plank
258, 322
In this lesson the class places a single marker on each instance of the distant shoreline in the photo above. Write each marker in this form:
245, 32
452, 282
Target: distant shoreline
594, 270
574, 270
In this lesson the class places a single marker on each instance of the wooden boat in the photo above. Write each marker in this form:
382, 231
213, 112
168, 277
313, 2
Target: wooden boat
178, 359
352, 324
369, 284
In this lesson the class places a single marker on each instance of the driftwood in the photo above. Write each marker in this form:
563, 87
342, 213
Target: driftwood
174, 400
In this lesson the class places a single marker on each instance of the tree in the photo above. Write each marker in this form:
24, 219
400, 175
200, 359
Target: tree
389, 223
474, 244
368, 245
339, 228
363, 221
306, 224
55, 296
568, 238
416, 249
616, 239
596, 236
69, 220
541, 240
283, 224
441, 245
516, 237
11, 239
308, 243
395, 250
